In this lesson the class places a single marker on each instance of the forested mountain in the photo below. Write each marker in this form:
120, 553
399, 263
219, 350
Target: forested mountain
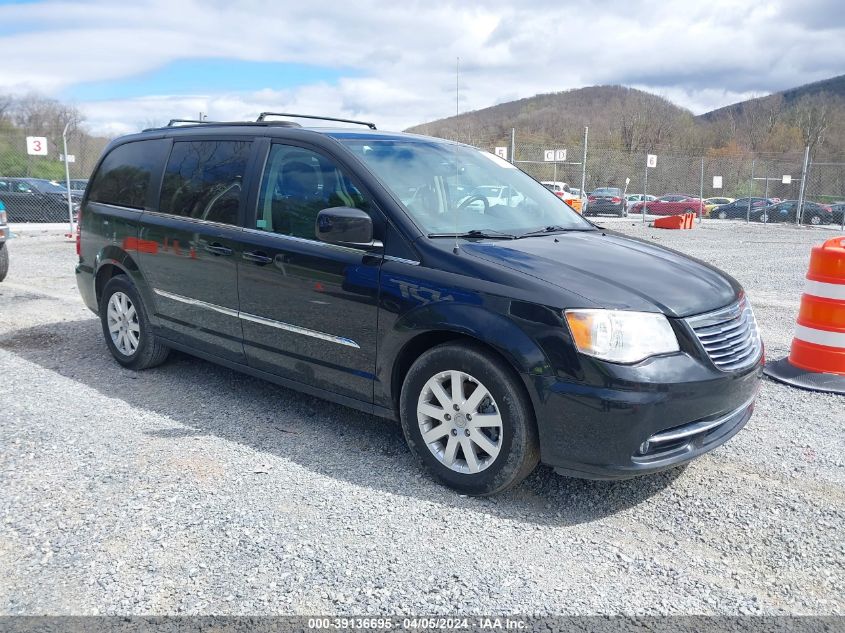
635, 121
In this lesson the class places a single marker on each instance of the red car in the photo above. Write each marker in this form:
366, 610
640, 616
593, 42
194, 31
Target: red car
670, 204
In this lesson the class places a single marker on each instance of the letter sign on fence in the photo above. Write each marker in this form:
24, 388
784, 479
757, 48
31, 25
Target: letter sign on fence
651, 160
502, 152
717, 182
549, 155
560, 155
36, 145
786, 180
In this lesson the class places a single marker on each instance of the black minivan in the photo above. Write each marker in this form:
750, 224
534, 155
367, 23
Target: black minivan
361, 267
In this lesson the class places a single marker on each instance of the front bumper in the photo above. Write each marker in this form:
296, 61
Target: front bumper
642, 419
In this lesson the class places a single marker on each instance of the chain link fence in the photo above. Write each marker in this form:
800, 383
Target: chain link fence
34, 186
764, 189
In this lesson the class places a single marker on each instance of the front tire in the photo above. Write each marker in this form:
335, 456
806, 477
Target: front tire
4, 261
467, 419
126, 327
722, 215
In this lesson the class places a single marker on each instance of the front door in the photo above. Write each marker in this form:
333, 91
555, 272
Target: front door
189, 247
308, 309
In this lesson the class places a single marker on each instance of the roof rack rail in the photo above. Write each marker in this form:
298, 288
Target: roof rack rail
172, 122
264, 115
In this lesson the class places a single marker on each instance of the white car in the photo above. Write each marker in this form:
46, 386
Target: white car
565, 193
496, 196
638, 197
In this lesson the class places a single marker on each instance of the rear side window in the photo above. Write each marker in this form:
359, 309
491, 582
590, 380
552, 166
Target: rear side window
204, 180
124, 176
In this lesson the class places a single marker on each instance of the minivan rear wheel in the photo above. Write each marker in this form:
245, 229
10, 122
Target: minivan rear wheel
467, 419
4, 261
126, 328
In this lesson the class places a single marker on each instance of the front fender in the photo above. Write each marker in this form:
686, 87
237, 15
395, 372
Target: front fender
479, 322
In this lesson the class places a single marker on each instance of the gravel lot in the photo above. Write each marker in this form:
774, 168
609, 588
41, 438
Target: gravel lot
191, 489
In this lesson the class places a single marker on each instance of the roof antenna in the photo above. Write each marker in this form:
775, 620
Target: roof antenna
457, 169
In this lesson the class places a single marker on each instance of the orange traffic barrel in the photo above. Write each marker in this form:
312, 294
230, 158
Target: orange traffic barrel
817, 358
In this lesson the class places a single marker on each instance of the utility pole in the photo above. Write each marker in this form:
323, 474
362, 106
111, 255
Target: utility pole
584, 163
801, 192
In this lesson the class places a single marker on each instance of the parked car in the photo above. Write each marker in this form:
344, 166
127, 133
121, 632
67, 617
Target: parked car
670, 204
4, 237
565, 193
77, 187
633, 198
35, 200
607, 200
494, 196
712, 203
582, 196
838, 210
738, 209
786, 211
335, 262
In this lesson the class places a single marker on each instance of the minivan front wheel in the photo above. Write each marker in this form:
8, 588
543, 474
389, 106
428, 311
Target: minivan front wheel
466, 418
126, 327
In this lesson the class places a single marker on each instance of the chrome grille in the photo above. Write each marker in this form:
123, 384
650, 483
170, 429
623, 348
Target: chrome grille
729, 336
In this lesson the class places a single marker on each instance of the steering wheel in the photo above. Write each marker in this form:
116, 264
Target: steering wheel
473, 198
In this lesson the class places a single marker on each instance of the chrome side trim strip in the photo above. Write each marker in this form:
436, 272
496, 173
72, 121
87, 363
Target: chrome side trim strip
302, 240
696, 427
401, 260
197, 302
192, 220
340, 340
299, 330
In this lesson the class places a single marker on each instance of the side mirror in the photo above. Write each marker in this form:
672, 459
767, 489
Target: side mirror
346, 226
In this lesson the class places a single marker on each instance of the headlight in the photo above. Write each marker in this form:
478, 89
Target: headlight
620, 336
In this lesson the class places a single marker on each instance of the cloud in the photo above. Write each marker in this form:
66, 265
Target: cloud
401, 56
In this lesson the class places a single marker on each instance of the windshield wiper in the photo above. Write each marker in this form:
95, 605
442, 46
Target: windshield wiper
488, 233
554, 228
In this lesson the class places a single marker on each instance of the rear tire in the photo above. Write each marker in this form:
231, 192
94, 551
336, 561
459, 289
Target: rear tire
484, 440
126, 326
4, 261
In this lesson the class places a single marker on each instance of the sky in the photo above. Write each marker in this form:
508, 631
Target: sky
128, 65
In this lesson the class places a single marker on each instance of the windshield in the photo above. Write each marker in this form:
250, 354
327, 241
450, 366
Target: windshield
607, 191
454, 189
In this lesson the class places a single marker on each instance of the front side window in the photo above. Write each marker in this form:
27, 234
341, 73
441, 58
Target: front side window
299, 183
204, 180
450, 188
123, 178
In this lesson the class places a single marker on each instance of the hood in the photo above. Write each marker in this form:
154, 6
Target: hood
610, 270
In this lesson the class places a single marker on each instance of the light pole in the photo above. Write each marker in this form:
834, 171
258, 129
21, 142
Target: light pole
67, 180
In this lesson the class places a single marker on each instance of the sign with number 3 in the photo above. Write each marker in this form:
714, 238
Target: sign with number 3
36, 145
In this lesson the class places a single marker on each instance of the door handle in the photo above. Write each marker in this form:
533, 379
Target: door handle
216, 248
257, 257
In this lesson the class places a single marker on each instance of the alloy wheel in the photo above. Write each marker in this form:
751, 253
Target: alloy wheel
460, 422
123, 324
